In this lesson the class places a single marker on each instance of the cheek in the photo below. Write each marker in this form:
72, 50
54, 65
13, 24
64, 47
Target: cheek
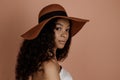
57, 35
67, 35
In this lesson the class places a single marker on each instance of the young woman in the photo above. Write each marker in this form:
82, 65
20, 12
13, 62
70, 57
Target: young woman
46, 44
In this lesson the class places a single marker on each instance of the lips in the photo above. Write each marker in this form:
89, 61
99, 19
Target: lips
62, 41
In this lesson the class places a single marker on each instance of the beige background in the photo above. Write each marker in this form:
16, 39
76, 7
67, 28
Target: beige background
95, 50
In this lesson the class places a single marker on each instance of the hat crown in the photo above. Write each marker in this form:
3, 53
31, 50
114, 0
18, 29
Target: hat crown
51, 8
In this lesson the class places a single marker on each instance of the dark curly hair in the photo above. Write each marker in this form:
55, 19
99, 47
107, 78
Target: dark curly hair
34, 52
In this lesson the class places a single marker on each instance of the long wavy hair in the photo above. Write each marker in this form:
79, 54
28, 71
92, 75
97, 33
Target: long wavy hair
34, 52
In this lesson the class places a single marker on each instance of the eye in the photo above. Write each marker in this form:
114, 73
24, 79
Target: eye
67, 30
58, 28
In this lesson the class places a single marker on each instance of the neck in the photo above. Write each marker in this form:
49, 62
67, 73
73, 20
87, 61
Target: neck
55, 53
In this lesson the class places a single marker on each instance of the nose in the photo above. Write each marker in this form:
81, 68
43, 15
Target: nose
64, 34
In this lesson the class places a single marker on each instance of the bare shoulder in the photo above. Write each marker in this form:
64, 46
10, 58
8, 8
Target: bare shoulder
50, 65
51, 70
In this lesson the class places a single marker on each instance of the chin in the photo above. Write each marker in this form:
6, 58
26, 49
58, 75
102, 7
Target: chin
60, 47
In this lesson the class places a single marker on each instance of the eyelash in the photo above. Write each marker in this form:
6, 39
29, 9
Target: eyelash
67, 30
59, 28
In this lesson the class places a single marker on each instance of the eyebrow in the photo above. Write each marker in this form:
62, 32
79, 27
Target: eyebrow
61, 24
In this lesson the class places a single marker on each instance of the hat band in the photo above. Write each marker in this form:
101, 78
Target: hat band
51, 14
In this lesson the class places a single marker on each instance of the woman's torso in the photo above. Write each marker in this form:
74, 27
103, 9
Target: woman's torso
41, 73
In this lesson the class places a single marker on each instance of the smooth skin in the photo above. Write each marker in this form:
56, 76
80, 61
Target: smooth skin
50, 69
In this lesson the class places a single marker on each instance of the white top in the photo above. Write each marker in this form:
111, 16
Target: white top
64, 75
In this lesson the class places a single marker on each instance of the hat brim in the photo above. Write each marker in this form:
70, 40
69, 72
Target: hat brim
77, 24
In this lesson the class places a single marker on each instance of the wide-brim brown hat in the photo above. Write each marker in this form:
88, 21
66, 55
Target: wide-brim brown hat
49, 12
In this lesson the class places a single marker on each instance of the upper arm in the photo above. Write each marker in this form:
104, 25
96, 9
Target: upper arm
51, 71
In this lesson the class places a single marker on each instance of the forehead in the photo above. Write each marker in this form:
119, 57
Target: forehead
63, 22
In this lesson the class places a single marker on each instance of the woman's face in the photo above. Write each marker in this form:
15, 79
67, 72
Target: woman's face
61, 32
